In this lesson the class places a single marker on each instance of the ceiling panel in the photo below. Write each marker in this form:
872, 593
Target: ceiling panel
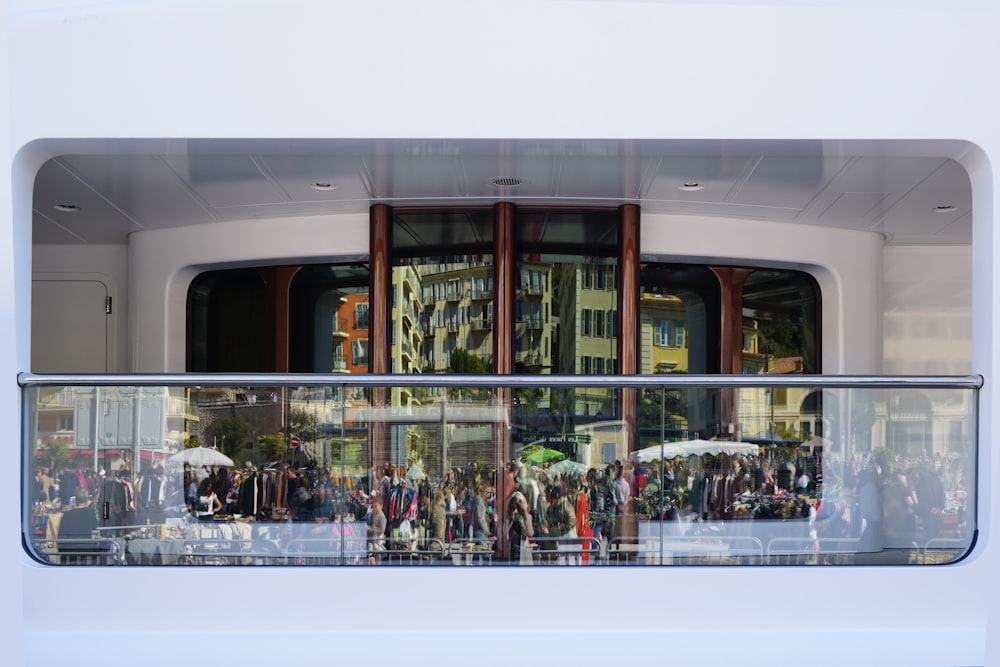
411, 177
144, 186
226, 180
959, 231
788, 182
849, 185
95, 218
299, 176
613, 178
538, 175
676, 177
46, 231
722, 209
928, 209
853, 210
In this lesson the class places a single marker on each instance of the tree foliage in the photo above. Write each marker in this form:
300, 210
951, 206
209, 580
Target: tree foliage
464, 362
273, 447
56, 453
232, 434
303, 424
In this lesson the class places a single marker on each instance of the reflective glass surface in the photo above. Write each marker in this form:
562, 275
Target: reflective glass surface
339, 473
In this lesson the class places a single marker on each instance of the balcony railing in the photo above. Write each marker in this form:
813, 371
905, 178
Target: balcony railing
816, 479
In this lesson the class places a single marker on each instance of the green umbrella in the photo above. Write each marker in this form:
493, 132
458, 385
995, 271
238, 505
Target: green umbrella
543, 455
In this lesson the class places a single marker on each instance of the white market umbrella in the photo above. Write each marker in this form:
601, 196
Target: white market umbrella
199, 456
567, 466
669, 450
415, 472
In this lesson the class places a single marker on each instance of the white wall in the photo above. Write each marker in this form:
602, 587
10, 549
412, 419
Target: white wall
165, 261
846, 264
107, 264
883, 69
927, 297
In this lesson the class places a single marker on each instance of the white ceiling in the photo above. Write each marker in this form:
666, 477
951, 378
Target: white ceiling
122, 186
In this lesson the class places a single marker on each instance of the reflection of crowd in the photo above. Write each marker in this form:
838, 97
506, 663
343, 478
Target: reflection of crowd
922, 500
555, 513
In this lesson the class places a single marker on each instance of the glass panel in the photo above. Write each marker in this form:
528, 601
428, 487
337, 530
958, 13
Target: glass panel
442, 317
227, 322
335, 474
423, 232
780, 323
591, 232
680, 319
442, 292
565, 316
328, 319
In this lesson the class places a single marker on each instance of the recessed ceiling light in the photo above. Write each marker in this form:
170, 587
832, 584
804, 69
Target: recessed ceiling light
67, 208
691, 186
322, 185
944, 208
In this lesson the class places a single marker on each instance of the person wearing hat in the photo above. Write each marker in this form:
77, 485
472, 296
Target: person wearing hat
77, 524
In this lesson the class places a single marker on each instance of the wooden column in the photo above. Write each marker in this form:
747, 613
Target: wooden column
731, 282
277, 281
628, 315
628, 290
504, 288
628, 346
380, 302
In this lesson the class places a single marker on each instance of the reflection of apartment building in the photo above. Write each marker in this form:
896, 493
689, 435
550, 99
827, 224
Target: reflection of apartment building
597, 317
457, 312
663, 334
123, 422
779, 413
350, 335
586, 299
404, 325
534, 321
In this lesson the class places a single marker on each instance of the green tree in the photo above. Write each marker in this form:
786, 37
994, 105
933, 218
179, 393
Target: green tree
273, 447
463, 362
56, 453
667, 406
781, 339
232, 435
303, 424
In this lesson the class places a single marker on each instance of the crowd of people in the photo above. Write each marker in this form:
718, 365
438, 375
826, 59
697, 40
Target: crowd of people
521, 509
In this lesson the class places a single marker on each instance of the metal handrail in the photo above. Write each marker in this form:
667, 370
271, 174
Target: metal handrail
409, 380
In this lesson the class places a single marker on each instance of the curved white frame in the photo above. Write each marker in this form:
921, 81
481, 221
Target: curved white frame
871, 71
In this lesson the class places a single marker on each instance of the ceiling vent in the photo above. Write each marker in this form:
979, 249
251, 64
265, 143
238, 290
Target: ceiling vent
505, 182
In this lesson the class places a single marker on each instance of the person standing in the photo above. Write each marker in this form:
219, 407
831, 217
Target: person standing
76, 529
581, 507
207, 502
376, 528
620, 493
480, 518
521, 530
438, 517
562, 525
